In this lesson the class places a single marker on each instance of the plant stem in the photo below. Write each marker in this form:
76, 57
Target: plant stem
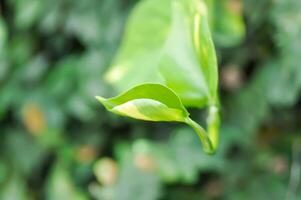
207, 145
210, 139
213, 124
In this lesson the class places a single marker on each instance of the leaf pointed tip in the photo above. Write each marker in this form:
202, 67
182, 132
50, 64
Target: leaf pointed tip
100, 99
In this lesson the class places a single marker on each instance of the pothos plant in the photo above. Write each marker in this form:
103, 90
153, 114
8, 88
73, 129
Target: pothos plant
166, 64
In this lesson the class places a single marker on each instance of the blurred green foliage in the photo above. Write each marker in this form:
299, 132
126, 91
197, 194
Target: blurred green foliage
58, 143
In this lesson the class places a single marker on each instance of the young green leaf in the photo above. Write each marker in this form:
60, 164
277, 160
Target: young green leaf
154, 102
150, 102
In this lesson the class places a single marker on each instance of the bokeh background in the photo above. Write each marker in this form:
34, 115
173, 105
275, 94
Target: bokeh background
58, 143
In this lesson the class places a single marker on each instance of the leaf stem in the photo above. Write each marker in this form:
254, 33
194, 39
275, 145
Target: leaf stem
210, 139
213, 124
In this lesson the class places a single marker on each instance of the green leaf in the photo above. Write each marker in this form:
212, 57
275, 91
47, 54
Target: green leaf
228, 24
150, 102
190, 55
155, 102
134, 183
141, 49
28, 13
60, 184
14, 187
3, 34
206, 51
180, 54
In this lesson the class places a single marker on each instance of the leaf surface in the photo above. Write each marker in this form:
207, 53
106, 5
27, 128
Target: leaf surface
150, 102
168, 44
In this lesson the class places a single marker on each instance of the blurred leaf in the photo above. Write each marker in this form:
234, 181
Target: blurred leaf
106, 171
14, 189
7, 94
134, 184
101, 193
27, 13
78, 107
188, 159
181, 44
261, 188
227, 22
91, 68
190, 55
60, 185
3, 171
139, 53
3, 34
37, 67
178, 160
21, 49
24, 152
43, 107
85, 25
62, 79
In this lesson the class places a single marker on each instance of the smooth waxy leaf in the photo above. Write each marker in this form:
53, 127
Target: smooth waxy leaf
192, 57
174, 48
150, 102
154, 102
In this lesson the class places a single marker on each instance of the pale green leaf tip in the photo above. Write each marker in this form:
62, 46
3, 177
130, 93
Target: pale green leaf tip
100, 99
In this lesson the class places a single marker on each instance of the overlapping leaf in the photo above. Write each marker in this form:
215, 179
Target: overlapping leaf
180, 54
